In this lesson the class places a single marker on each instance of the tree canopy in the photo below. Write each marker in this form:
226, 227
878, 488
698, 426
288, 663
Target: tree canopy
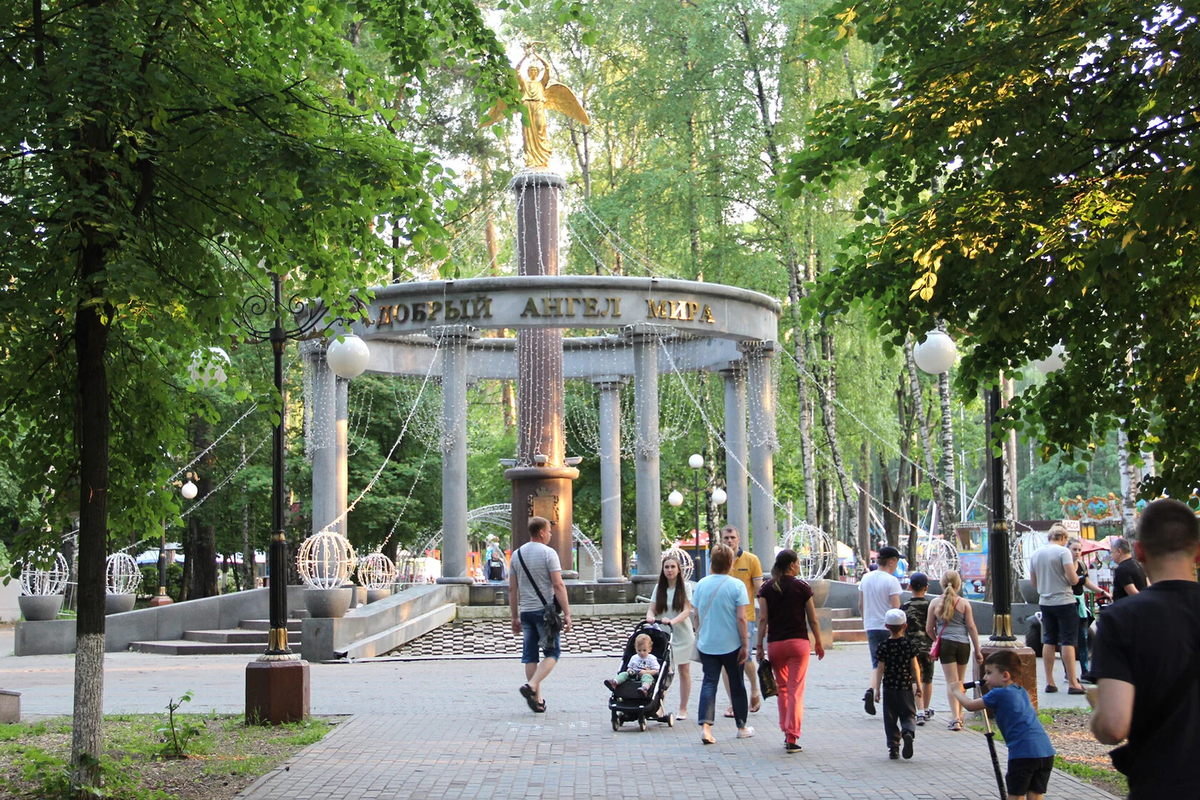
1031, 181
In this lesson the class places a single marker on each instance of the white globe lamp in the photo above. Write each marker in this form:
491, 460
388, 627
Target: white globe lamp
695, 461
935, 353
189, 491
675, 498
1053, 362
208, 367
348, 358
719, 497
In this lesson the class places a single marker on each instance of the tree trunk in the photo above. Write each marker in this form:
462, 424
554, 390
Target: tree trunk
249, 571
914, 516
864, 509
914, 385
827, 394
1011, 505
807, 462
1129, 484
91, 343
949, 506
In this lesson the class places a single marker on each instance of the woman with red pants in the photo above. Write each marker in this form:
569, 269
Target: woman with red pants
787, 619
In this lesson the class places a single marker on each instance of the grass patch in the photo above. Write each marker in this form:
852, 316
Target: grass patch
221, 758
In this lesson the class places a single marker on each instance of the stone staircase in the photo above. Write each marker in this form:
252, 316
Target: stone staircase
249, 638
847, 628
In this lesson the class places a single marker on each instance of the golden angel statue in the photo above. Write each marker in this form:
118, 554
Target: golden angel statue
539, 93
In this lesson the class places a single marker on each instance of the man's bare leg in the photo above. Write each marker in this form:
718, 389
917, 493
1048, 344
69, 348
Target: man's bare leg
1048, 651
537, 673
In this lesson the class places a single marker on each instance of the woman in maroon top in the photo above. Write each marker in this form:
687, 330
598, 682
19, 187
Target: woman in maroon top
788, 620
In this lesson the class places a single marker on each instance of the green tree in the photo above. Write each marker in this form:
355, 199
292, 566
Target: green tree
157, 160
1031, 182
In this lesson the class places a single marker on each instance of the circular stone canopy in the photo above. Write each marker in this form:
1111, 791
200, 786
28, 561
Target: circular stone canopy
705, 321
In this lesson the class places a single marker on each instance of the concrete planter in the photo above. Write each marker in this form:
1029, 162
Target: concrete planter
1028, 592
328, 603
820, 590
377, 594
118, 603
39, 608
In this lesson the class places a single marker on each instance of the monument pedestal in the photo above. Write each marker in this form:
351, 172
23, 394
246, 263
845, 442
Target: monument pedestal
1027, 675
544, 492
277, 692
160, 599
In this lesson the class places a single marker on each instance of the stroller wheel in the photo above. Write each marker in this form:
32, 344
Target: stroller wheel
641, 723
671, 720
616, 723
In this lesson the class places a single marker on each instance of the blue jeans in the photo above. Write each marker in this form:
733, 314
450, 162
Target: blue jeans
874, 639
737, 687
532, 623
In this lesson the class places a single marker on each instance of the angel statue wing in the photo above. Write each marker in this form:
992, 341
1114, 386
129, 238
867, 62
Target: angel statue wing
560, 98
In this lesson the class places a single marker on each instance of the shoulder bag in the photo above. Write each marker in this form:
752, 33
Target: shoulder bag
552, 616
937, 643
700, 620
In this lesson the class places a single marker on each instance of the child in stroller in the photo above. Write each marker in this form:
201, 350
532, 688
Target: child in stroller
643, 699
642, 665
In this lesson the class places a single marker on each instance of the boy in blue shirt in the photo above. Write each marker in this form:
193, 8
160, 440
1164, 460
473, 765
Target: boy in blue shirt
1030, 754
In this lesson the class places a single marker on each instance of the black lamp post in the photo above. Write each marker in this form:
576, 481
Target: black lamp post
277, 683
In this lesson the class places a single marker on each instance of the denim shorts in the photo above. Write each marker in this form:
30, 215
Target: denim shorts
532, 624
874, 639
1060, 625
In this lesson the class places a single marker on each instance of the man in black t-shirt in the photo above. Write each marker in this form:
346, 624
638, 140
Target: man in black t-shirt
1147, 661
1128, 578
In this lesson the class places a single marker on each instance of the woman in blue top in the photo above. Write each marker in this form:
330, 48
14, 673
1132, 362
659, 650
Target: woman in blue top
723, 640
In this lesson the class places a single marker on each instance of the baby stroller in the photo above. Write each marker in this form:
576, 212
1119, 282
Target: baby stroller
627, 703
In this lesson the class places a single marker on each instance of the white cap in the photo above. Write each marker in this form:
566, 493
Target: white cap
895, 616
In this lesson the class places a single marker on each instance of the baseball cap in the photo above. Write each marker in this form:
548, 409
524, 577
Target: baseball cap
887, 553
918, 580
895, 616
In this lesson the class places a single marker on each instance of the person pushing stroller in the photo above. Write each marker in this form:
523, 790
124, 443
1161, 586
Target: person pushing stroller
642, 665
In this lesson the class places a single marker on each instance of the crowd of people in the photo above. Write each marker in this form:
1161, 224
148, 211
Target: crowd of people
1145, 662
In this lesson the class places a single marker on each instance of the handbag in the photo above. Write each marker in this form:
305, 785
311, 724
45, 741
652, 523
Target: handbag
766, 679
552, 618
937, 643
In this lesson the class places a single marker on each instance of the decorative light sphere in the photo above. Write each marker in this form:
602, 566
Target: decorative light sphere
935, 353
695, 461
325, 560
1053, 362
348, 359
376, 571
208, 367
719, 496
189, 491
121, 574
686, 567
675, 498
38, 581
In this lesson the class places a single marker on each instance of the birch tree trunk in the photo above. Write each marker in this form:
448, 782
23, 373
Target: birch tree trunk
949, 491
914, 386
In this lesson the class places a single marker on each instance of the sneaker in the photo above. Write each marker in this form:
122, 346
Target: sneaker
745, 733
791, 748
908, 744
869, 702
610, 684
928, 714
920, 717
893, 754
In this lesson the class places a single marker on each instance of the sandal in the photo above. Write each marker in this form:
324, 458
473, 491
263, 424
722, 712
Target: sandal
729, 714
531, 698
956, 725
540, 707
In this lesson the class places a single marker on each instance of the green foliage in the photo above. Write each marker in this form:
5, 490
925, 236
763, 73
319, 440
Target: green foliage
178, 732
1031, 181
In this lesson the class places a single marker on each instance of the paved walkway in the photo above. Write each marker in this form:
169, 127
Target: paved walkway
457, 728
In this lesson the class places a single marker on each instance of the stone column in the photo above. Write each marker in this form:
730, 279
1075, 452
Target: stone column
610, 475
342, 453
322, 439
541, 481
453, 341
738, 503
649, 484
760, 402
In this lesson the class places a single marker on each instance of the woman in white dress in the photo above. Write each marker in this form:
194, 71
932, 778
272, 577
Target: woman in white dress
672, 602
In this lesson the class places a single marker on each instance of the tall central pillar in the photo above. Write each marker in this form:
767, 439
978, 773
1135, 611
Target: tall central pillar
541, 481
646, 455
610, 475
738, 508
322, 439
761, 402
342, 434
453, 340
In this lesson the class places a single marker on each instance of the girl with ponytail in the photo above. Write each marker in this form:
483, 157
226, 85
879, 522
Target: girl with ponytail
950, 618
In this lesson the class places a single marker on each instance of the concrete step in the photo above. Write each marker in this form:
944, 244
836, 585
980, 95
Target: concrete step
236, 636
180, 647
841, 613
293, 625
848, 624
850, 636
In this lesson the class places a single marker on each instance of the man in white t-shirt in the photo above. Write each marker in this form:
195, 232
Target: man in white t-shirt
878, 591
527, 601
1052, 573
